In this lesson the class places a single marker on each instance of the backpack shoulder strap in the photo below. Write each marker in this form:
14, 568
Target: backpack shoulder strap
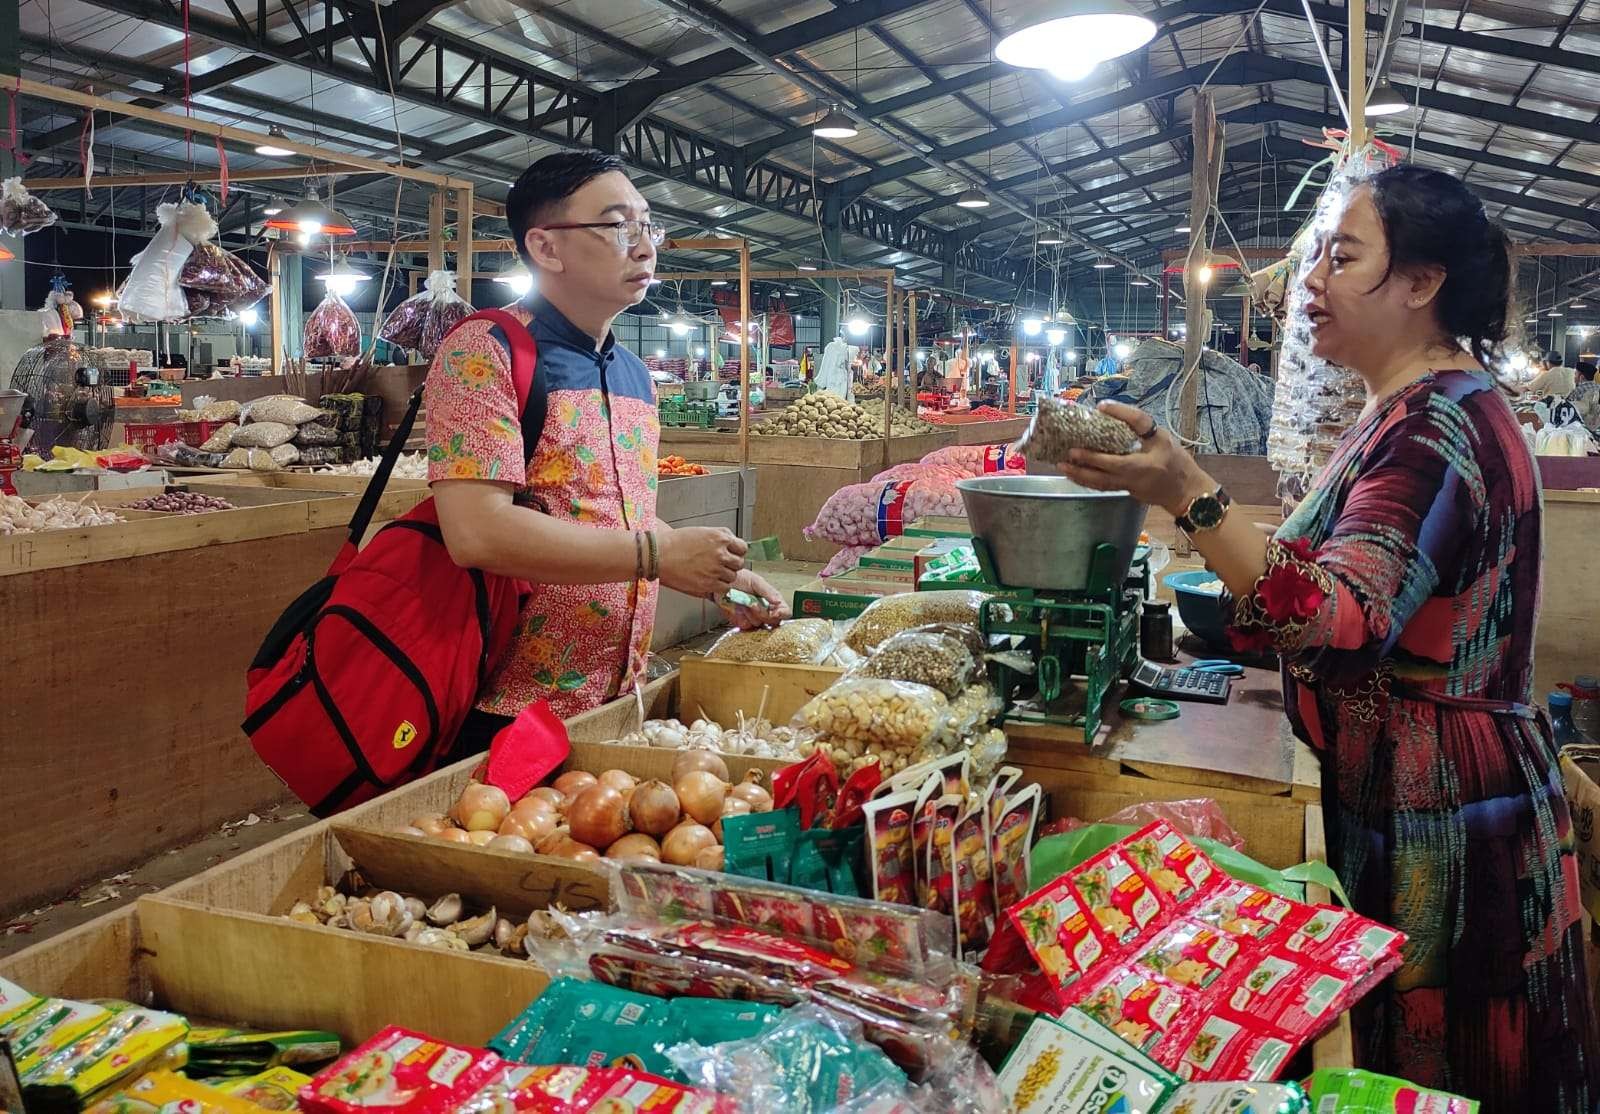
532, 400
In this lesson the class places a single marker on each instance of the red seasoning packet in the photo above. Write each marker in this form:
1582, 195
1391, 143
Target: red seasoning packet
858, 789
1170, 861
974, 889
1059, 933
888, 820
1122, 902
941, 853
812, 785
1010, 837
399, 1072
922, 819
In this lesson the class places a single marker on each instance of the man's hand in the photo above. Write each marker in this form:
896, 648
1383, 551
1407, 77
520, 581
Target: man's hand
776, 611
700, 561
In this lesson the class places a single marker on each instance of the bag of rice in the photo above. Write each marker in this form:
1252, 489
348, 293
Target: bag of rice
280, 408
262, 435
221, 440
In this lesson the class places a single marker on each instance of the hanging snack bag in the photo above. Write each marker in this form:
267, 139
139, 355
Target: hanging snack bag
922, 824
889, 847
1010, 839
20, 211
332, 329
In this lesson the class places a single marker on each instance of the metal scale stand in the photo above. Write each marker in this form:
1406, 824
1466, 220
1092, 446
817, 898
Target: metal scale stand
1084, 639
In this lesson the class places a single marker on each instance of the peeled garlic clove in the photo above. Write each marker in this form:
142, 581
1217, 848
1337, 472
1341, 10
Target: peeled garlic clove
416, 907
503, 930
434, 938
326, 894
358, 915
446, 911
332, 905
302, 914
416, 929
476, 930
517, 944
389, 916
298, 908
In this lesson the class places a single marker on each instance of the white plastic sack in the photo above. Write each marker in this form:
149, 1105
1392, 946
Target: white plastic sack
151, 292
833, 370
872, 513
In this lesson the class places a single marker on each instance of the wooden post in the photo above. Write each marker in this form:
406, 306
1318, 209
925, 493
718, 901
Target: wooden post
275, 306
911, 343
891, 382
436, 231
1011, 390
464, 244
1356, 40
1207, 151
744, 354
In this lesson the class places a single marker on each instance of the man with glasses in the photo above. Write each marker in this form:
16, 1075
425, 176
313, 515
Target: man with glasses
577, 520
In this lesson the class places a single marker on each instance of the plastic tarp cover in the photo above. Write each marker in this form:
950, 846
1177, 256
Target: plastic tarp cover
1234, 403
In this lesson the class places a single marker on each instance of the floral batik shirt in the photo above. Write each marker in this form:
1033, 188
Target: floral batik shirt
576, 645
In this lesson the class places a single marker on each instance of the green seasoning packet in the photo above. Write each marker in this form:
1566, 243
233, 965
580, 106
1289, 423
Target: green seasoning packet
959, 566
1241, 1098
820, 1069
711, 1021
232, 1052
826, 859
760, 844
537, 1035
1353, 1091
603, 1044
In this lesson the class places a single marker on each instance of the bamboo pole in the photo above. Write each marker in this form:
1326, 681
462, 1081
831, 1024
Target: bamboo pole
1356, 45
1011, 388
275, 306
464, 244
1207, 152
436, 231
744, 355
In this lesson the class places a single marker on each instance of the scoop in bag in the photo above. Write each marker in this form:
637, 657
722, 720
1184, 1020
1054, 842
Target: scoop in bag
1059, 427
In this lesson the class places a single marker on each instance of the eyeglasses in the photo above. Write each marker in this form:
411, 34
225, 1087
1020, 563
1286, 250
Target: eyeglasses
629, 232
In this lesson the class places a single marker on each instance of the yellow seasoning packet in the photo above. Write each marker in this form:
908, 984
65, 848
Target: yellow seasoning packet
133, 1041
151, 1093
273, 1089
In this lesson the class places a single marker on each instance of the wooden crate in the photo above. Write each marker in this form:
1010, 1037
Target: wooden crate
1565, 644
796, 475
1002, 431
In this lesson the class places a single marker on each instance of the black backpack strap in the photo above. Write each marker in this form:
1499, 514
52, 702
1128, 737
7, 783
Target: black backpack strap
380, 479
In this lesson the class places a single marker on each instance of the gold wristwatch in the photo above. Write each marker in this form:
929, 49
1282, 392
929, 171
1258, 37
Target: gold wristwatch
1205, 512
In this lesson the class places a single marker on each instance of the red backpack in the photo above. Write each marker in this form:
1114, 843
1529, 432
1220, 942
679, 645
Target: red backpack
365, 680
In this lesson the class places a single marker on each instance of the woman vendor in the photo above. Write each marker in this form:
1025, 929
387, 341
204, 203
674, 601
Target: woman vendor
1402, 594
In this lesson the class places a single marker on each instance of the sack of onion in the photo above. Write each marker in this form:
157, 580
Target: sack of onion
582, 817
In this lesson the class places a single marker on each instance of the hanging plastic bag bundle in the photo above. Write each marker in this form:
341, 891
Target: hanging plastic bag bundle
152, 291
20, 211
332, 329
422, 320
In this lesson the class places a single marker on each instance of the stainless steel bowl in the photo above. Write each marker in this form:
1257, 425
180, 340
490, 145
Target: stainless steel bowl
1042, 530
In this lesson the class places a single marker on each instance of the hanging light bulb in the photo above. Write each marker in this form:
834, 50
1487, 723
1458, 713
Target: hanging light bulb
1031, 326
272, 150
311, 217
517, 276
1050, 237
661, 353
699, 351
1123, 350
1205, 273
342, 279
249, 316
833, 124
858, 326
972, 198
274, 206
1071, 355
1384, 101
1055, 336
679, 326
1072, 36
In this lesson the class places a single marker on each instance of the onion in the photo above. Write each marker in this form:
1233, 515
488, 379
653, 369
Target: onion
654, 807
685, 842
709, 859
569, 848
511, 843
598, 816
481, 838
753, 795
532, 825
433, 825
733, 806
556, 835
690, 760
573, 782
637, 847
410, 831
549, 794
482, 807
454, 835
701, 794
620, 780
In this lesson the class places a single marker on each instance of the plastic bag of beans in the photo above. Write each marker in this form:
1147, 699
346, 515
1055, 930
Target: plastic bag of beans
1059, 427
893, 614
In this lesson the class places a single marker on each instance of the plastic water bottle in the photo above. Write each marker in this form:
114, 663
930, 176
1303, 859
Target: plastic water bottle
1561, 719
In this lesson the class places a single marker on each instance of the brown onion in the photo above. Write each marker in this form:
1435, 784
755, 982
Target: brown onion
532, 825
481, 838
556, 835
654, 808
685, 842
454, 835
709, 859
733, 806
433, 825
620, 780
701, 794
573, 782
511, 843
636, 846
549, 794
753, 795
690, 760
568, 848
598, 816
482, 807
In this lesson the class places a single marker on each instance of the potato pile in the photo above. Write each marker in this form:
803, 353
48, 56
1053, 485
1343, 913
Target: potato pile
906, 424
823, 415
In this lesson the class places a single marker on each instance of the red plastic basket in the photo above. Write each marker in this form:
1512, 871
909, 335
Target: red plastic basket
148, 436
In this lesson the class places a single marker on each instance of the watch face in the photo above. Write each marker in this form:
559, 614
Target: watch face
1206, 512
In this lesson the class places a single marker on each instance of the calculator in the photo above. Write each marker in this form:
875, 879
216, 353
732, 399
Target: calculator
1177, 683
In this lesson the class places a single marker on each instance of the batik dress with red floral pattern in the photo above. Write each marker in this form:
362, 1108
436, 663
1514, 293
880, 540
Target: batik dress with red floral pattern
1402, 594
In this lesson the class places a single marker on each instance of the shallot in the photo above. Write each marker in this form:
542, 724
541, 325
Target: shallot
691, 760
636, 845
573, 782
